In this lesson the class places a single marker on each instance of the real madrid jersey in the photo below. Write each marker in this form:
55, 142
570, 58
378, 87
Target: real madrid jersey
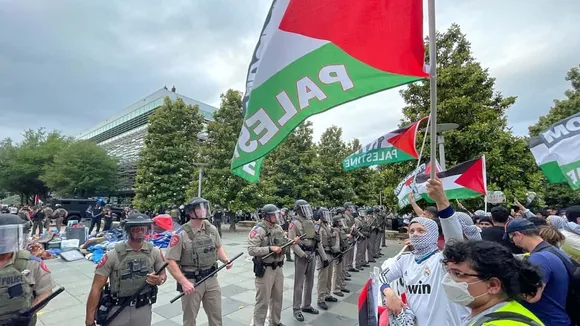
425, 294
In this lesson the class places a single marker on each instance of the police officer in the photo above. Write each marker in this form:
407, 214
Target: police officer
338, 277
371, 222
349, 212
37, 220
193, 254
59, 215
285, 215
175, 214
304, 253
361, 245
128, 267
267, 237
217, 218
379, 230
331, 245
24, 279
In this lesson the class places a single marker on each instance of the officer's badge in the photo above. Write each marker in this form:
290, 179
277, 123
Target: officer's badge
427, 271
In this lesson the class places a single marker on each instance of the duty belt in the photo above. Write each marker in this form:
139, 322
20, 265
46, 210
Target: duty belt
274, 265
307, 248
144, 299
198, 275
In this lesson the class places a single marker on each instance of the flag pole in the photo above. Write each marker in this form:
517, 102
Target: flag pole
433, 83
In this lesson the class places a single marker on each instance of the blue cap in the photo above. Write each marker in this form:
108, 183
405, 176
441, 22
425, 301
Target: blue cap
518, 224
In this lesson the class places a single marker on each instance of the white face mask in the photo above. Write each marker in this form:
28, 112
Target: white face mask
458, 292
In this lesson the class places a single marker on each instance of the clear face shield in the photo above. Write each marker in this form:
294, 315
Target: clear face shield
139, 232
325, 215
275, 218
362, 213
11, 238
306, 211
200, 211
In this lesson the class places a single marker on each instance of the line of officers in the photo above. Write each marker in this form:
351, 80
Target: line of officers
193, 253
322, 241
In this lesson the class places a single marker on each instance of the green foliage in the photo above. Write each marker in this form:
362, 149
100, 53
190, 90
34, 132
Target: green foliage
561, 194
22, 164
81, 169
365, 186
466, 96
295, 168
336, 187
166, 164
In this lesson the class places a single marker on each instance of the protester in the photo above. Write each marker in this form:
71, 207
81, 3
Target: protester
570, 230
470, 231
484, 222
487, 278
550, 301
422, 272
551, 235
499, 216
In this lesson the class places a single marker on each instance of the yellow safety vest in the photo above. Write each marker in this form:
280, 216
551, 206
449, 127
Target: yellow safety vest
511, 307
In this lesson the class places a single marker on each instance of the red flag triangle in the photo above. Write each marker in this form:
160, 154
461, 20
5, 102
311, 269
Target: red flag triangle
473, 177
405, 140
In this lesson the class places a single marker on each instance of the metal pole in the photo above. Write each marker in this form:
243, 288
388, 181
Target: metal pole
433, 83
199, 181
381, 198
441, 141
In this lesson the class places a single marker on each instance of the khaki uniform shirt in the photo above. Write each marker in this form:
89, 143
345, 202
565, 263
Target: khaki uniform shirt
259, 244
180, 239
39, 277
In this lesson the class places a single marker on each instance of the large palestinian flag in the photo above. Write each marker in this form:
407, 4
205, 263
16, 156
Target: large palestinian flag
465, 180
407, 186
557, 151
315, 55
395, 146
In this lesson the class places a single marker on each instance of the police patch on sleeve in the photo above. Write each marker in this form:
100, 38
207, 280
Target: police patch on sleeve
174, 241
253, 234
102, 261
317, 227
44, 267
291, 225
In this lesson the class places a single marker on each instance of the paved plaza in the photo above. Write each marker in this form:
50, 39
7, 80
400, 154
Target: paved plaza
238, 294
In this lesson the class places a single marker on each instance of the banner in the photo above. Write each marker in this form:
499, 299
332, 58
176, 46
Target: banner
556, 151
407, 186
313, 56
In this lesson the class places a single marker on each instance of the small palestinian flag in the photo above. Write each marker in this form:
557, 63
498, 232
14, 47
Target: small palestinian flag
395, 146
465, 180
367, 307
314, 55
407, 186
556, 151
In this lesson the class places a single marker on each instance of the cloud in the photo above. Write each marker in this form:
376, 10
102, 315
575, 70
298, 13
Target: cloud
70, 64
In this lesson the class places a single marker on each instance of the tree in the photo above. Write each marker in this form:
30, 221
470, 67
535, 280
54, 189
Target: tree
220, 186
22, 164
166, 164
365, 188
561, 194
295, 168
466, 96
336, 187
82, 169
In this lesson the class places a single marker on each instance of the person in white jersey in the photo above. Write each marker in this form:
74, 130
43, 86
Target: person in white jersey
422, 272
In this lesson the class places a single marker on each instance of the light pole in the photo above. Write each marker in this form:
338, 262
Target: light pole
202, 137
441, 127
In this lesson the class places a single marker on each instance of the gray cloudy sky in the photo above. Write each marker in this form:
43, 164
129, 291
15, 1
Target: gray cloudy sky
68, 64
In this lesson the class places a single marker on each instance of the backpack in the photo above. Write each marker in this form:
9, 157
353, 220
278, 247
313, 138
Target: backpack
573, 297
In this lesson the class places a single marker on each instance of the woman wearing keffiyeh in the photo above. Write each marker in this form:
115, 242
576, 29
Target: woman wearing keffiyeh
571, 231
422, 272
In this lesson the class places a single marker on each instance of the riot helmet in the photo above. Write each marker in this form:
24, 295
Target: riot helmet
339, 210
337, 221
11, 233
303, 208
198, 208
362, 212
271, 213
349, 207
138, 226
316, 214
324, 214
370, 211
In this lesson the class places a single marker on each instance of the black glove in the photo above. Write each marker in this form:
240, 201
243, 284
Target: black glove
20, 320
325, 263
339, 258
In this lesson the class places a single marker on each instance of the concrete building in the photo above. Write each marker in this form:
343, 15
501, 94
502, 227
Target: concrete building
123, 134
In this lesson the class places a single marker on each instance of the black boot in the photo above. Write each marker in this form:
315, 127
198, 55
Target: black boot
345, 290
352, 269
331, 299
348, 274
310, 310
339, 294
347, 278
372, 261
322, 305
298, 315
366, 265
